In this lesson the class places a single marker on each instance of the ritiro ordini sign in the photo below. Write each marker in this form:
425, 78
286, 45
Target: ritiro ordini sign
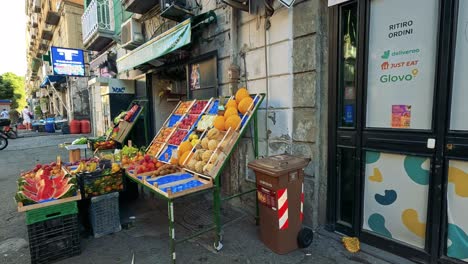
69, 62
401, 63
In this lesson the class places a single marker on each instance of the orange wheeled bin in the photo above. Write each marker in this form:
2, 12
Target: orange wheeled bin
280, 194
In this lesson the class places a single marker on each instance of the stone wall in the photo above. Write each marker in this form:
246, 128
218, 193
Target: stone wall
283, 56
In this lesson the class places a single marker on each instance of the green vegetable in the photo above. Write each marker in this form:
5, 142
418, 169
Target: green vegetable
120, 116
80, 141
129, 151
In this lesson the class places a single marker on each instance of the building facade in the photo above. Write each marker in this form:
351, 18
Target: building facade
54, 24
270, 49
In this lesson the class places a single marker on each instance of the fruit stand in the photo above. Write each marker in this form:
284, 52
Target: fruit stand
199, 136
186, 157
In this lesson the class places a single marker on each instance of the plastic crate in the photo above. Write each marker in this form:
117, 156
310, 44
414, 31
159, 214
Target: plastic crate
104, 214
50, 212
54, 239
99, 183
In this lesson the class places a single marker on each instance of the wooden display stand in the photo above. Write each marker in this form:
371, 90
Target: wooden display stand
210, 179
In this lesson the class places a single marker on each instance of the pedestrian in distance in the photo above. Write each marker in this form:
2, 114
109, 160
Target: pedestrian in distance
27, 115
4, 114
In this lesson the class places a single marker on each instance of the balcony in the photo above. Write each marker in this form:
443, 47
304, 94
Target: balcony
46, 35
52, 18
139, 6
35, 65
97, 26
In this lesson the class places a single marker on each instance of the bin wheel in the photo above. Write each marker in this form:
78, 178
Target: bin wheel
218, 245
305, 237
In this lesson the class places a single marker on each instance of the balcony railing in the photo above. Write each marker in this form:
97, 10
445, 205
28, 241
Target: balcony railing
97, 25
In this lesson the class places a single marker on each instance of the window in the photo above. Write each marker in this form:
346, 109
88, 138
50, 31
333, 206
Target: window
347, 78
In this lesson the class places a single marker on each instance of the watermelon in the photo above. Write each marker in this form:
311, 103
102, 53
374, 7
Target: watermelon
25, 199
30, 188
44, 187
65, 191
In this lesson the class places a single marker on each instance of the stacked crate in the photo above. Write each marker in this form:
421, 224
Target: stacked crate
53, 232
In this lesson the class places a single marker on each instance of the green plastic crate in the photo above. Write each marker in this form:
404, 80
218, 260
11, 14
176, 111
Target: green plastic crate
51, 212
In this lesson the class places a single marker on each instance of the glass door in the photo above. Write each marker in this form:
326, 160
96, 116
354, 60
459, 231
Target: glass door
455, 237
399, 134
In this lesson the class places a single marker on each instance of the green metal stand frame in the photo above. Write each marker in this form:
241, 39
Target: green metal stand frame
217, 200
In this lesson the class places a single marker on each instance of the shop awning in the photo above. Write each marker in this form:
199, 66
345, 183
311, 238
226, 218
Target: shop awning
169, 41
49, 79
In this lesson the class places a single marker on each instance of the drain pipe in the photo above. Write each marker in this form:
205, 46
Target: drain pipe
269, 10
234, 70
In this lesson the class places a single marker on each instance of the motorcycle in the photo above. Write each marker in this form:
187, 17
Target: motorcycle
8, 129
3, 140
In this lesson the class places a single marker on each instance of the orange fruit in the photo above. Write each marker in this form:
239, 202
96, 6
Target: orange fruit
245, 104
174, 161
231, 103
229, 112
241, 94
219, 123
232, 122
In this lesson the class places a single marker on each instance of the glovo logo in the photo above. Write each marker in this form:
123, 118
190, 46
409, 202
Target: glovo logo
390, 78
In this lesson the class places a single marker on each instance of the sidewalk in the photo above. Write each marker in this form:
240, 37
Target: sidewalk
148, 239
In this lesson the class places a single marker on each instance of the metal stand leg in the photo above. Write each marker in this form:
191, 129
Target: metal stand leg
217, 215
255, 123
170, 213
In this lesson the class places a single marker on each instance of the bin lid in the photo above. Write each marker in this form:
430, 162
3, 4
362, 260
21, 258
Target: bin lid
279, 165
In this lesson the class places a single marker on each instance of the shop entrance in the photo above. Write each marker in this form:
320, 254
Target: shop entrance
398, 164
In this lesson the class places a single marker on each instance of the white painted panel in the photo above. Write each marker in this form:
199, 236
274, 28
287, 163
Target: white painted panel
401, 66
458, 120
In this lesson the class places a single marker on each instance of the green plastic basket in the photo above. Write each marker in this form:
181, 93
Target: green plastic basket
51, 212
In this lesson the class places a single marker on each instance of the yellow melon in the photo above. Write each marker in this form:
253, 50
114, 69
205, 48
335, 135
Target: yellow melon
231, 103
244, 105
229, 112
219, 123
185, 146
241, 94
232, 122
184, 157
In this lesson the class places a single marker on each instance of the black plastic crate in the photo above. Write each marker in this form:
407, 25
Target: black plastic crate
54, 239
99, 183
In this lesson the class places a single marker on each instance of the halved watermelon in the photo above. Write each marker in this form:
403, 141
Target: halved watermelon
44, 187
29, 188
25, 198
65, 191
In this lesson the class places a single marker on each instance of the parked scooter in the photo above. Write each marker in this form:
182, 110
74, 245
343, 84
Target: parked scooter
3, 140
10, 130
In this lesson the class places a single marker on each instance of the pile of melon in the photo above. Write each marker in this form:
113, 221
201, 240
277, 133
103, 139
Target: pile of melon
204, 157
242, 103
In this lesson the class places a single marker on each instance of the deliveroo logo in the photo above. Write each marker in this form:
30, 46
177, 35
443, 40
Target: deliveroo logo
386, 54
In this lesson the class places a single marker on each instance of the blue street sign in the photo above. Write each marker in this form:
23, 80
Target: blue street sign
67, 61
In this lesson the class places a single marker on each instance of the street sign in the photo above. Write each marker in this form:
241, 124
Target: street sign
335, 2
68, 62
287, 3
